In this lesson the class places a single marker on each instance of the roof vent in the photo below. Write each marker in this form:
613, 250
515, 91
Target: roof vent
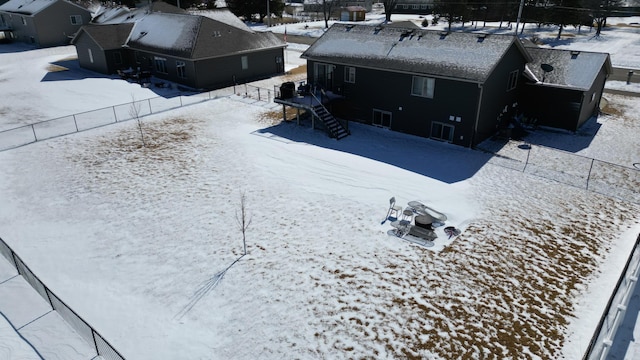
574, 54
481, 37
377, 29
443, 34
349, 27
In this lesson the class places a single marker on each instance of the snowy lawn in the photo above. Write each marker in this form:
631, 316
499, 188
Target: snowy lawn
133, 236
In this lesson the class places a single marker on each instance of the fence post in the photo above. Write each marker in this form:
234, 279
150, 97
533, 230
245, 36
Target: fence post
115, 116
527, 161
589, 174
95, 343
33, 129
75, 122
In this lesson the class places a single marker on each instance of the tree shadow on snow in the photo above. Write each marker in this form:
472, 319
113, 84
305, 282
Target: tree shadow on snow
441, 161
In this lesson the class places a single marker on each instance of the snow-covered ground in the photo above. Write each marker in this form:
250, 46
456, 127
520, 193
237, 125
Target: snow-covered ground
132, 237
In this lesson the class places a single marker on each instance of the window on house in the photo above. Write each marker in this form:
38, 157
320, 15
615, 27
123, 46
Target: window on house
442, 131
415, 6
424, 7
350, 74
180, 69
245, 62
90, 56
161, 64
76, 20
405, 7
513, 80
117, 58
455, 118
423, 86
381, 118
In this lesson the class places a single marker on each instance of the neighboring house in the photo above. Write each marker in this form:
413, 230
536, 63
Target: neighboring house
446, 86
352, 13
569, 92
421, 7
43, 23
202, 52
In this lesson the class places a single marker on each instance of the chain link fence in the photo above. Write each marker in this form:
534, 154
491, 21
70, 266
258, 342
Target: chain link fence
70, 124
598, 176
88, 333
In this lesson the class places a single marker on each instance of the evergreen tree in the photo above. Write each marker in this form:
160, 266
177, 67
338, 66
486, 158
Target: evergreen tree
249, 9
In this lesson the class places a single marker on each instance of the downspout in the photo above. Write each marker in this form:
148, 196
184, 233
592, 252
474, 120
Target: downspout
475, 126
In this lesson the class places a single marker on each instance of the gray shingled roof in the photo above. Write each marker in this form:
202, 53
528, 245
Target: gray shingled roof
195, 37
30, 7
108, 37
573, 69
465, 56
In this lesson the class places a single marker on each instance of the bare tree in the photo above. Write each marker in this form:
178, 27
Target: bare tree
243, 220
389, 6
134, 112
328, 6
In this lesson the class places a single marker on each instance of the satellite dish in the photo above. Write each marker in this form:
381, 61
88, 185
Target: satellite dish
547, 69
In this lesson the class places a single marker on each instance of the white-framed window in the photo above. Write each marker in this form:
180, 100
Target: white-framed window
180, 69
350, 74
513, 80
442, 131
90, 56
415, 6
423, 86
381, 118
76, 20
455, 118
424, 6
245, 62
161, 64
117, 58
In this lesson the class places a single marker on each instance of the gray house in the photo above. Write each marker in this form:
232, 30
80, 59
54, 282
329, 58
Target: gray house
563, 88
199, 52
43, 23
446, 86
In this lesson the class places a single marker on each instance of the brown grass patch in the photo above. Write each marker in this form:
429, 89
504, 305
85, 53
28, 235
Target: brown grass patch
274, 117
55, 68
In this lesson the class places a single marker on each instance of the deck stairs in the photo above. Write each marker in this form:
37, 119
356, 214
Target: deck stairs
334, 127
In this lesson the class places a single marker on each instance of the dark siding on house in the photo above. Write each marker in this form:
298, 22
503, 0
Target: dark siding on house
495, 93
590, 108
53, 24
226, 71
552, 106
391, 92
99, 63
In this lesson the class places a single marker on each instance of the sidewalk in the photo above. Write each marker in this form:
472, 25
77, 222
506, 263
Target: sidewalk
29, 328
